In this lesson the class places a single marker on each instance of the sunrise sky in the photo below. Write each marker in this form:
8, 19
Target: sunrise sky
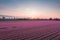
30, 8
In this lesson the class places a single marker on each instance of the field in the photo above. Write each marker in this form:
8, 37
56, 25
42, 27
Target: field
30, 30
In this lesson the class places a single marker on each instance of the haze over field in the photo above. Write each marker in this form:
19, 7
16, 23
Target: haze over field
30, 8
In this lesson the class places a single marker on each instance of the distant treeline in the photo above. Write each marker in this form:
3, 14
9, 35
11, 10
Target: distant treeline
10, 19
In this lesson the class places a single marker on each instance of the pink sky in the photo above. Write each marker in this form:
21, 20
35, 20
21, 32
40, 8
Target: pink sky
31, 9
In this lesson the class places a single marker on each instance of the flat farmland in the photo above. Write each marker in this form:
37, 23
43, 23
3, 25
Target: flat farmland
30, 30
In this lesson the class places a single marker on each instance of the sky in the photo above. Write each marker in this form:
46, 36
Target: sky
30, 8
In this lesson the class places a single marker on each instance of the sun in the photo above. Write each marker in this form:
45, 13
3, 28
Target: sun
31, 12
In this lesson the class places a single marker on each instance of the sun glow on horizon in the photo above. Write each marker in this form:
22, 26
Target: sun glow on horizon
32, 13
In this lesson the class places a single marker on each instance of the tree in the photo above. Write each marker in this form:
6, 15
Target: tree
50, 18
